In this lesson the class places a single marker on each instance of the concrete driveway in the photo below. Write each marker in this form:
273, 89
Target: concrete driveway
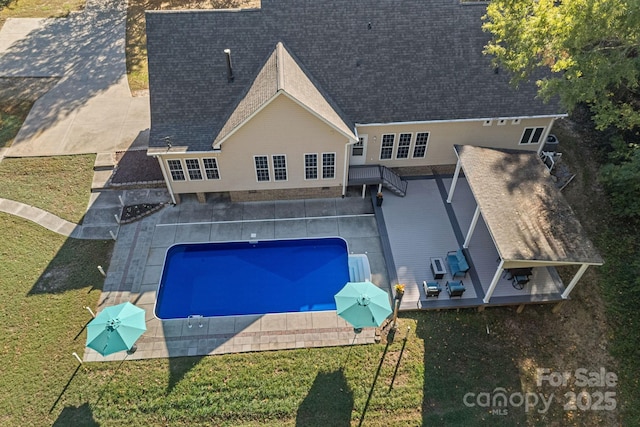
91, 109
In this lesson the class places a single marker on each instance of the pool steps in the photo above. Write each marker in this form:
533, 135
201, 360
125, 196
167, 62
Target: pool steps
359, 268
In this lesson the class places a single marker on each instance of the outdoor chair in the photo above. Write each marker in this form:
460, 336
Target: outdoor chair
431, 289
457, 263
455, 288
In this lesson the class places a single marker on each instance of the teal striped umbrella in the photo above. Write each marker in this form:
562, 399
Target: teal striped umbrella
363, 304
116, 328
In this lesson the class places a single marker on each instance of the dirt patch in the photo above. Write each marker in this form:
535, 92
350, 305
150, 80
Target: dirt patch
136, 166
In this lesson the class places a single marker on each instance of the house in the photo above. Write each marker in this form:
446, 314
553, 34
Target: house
303, 98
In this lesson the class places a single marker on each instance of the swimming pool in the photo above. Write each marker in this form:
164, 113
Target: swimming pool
236, 278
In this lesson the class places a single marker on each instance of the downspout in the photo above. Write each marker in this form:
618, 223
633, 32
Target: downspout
345, 176
166, 179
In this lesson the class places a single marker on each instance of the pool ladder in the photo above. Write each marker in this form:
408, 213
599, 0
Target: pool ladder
191, 317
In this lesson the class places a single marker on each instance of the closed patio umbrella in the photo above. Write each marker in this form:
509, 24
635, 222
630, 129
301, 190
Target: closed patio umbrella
362, 304
116, 328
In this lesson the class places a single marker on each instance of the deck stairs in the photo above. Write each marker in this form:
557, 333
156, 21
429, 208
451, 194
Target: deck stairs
378, 174
359, 268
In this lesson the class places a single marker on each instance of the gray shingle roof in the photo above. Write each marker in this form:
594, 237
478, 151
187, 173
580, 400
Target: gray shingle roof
375, 60
527, 216
282, 74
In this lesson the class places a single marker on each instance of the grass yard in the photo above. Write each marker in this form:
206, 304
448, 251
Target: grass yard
38, 8
60, 185
11, 119
447, 355
136, 46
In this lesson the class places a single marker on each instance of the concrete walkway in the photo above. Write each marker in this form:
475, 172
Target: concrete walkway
99, 221
91, 109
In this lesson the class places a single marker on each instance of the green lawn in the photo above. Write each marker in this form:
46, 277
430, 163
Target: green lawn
60, 185
447, 355
37, 8
11, 119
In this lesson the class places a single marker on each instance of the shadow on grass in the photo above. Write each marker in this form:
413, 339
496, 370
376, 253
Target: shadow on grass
64, 388
328, 403
76, 416
179, 367
67, 270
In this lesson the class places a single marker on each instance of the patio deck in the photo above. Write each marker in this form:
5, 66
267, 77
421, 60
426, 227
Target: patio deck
422, 225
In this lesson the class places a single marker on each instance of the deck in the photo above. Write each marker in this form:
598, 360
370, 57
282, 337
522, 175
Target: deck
422, 225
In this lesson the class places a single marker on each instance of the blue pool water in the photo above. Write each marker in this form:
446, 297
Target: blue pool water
235, 278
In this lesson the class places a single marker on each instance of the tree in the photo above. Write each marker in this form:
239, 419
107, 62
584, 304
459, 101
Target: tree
589, 51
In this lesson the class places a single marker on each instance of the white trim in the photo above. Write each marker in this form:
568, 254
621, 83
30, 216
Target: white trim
199, 169
409, 151
479, 119
267, 103
304, 168
393, 147
286, 168
415, 144
182, 169
217, 169
321, 163
533, 132
255, 167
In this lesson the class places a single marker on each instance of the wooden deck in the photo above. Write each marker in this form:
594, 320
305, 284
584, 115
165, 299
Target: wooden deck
422, 225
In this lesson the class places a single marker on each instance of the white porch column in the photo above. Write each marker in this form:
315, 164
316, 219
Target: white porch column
472, 227
454, 182
494, 282
574, 281
364, 190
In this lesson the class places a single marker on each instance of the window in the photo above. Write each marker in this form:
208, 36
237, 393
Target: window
358, 147
175, 167
193, 168
279, 167
531, 135
386, 150
310, 166
404, 145
262, 168
420, 148
328, 165
211, 168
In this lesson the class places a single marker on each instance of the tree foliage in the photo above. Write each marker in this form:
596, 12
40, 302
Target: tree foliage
589, 50
621, 178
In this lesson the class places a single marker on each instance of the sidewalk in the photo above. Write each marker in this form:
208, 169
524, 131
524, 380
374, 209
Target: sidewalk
91, 108
99, 221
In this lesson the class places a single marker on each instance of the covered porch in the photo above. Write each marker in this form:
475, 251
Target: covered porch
504, 214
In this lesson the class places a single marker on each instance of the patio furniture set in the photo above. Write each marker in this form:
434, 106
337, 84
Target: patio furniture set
518, 276
458, 266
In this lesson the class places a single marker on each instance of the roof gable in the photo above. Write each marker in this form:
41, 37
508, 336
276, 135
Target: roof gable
281, 74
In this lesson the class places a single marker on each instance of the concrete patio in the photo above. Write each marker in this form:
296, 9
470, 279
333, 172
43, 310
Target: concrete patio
139, 252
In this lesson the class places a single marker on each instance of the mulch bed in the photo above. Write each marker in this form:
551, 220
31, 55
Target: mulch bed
135, 212
136, 166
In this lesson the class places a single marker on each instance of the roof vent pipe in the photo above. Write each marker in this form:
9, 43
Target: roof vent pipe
230, 77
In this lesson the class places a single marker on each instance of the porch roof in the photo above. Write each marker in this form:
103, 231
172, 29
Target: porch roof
528, 218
